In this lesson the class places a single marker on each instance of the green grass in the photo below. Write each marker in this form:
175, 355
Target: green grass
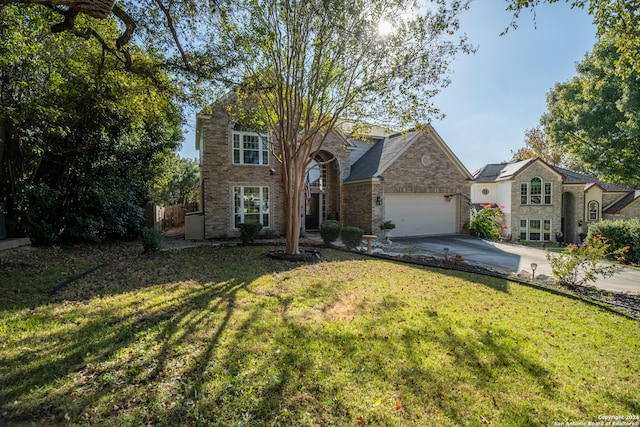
230, 337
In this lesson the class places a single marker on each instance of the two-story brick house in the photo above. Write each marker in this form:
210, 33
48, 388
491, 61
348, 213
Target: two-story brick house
412, 179
540, 200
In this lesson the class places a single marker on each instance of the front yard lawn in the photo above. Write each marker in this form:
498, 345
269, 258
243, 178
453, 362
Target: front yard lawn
213, 336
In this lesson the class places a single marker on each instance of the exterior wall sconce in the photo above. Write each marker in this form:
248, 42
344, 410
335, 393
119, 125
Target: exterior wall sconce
378, 200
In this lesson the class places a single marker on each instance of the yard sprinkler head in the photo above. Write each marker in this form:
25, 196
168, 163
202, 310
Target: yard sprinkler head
533, 270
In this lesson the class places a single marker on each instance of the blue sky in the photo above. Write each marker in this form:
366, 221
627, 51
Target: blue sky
499, 93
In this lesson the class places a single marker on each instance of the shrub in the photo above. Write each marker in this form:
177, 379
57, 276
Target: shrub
620, 234
488, 223
150, 240
269, 233
352, 237
581, 264
387, 225
330, 231
249, 231
42, 213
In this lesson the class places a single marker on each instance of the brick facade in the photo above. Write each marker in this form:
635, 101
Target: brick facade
219, 176
359, 203
630, 211
442, 174
552, 212
572, 193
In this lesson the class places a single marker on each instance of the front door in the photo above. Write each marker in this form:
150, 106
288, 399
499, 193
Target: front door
312, 213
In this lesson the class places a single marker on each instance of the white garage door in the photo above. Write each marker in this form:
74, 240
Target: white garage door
421, 214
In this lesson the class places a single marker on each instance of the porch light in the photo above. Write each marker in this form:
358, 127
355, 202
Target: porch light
378, 200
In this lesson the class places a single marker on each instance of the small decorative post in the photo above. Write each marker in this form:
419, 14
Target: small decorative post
533, 270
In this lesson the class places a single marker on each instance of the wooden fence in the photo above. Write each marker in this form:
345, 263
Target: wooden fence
167, 217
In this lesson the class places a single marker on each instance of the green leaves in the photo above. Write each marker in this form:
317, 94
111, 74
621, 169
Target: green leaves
595, 116
80, 126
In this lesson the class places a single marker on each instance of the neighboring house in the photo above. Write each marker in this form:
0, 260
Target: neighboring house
540, 200
412, 179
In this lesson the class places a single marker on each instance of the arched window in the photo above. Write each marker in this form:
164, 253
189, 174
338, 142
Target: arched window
594, 210
317, 176
532, 192
536, 191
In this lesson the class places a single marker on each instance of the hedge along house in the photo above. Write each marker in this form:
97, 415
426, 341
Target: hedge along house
412, 179
540, 200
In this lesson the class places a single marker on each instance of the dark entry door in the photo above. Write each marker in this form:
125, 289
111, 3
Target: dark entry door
312, 213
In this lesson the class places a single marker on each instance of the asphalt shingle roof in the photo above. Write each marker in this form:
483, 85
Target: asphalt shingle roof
503, 171
380, 156
622, 203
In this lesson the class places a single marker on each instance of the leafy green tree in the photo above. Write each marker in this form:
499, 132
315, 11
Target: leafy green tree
177, 181
79, 136
596, 116
308, 63
178, 29
618, 20
536, 145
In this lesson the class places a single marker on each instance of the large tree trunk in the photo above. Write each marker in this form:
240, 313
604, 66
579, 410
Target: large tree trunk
95, 8
294, 181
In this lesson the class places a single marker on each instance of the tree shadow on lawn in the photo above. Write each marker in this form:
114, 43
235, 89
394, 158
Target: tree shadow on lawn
328, 374
225, 348
61, 370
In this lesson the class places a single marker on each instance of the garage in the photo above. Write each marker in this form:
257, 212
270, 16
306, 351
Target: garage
419, 214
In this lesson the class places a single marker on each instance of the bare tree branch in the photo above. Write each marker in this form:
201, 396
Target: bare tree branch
174, 33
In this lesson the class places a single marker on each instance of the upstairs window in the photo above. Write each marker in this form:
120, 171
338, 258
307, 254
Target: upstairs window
317, 176
250, 148
531, 193
547, 193
536, 191
524, 194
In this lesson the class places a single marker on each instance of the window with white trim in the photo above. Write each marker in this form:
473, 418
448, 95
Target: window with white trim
536, 191
547, 193
317, 176
594, 210
524, 193
531, 193
250, 148
535, 230
546, 230
251, 204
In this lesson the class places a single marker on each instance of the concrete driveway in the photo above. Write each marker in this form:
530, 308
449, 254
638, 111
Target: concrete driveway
510, 258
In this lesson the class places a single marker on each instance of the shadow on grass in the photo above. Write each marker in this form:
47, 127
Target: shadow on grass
48, 369
229, 337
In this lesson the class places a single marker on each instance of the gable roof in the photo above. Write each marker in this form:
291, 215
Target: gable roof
501, 171
580, 178
386, 151
506, 171
380, 156
622, 203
